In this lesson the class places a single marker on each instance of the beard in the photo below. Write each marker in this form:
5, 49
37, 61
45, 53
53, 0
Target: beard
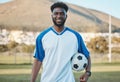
60, 24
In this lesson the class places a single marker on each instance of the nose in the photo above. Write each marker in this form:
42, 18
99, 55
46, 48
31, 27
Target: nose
59, 15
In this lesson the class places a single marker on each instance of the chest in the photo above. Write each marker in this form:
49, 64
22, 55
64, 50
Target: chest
64, 41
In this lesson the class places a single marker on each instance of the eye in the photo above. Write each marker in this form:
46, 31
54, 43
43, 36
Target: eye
62, 13
55, 13
58, 13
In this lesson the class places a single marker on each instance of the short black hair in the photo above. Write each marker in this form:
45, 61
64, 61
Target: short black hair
59, 4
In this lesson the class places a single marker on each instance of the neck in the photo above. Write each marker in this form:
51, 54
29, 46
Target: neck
58, 29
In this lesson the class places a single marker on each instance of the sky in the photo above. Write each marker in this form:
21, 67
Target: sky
111, 7
3, 1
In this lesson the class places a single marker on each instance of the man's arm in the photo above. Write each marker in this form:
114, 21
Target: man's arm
88, 68
87, 73
35, 70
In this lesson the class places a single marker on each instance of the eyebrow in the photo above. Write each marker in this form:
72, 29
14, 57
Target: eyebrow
62, 11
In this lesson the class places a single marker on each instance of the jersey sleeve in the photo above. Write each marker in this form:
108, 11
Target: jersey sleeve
81, 46
39, 51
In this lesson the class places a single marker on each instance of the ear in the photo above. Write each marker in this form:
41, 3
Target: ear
66, 16
51, 15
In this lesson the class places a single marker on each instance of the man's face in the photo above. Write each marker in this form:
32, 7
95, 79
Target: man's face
59, 16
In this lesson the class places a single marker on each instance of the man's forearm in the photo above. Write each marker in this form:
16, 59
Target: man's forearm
88, 68
35, 70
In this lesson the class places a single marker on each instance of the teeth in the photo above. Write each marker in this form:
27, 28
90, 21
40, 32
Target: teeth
59, 20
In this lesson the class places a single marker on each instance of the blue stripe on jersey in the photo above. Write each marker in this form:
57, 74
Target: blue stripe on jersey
39, 52
58, 32
81, 46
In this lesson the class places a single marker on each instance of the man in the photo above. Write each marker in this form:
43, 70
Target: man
55, 47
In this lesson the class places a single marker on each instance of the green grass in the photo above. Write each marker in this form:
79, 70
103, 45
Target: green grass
102, 77
96, 77
15, 66
15, 78
21, 73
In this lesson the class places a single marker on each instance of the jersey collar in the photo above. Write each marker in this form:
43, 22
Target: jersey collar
58, 33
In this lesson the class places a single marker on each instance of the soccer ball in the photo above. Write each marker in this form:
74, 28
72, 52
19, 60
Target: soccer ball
79, 62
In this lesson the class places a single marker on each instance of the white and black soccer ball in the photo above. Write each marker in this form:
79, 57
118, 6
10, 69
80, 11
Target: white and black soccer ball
79, 62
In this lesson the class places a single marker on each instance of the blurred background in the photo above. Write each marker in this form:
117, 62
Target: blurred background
98, 22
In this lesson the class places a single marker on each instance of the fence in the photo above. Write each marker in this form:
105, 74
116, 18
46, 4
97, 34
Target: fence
10, 57
27, 58
16, 58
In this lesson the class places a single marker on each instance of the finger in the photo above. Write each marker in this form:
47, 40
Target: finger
82, 79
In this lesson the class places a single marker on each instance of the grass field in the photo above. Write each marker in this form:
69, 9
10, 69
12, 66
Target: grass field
101, 72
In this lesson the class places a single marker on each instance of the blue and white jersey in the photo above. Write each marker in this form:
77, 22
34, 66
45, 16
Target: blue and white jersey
55, 51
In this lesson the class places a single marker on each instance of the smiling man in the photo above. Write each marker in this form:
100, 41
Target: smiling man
55, 47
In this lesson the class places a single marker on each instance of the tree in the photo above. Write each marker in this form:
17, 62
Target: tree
98, 44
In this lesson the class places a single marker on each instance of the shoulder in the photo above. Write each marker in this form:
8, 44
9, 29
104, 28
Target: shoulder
44, 32
77, 34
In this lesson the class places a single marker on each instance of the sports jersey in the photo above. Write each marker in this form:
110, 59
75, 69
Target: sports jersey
55, 51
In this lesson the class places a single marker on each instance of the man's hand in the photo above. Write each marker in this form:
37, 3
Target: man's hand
84, 77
